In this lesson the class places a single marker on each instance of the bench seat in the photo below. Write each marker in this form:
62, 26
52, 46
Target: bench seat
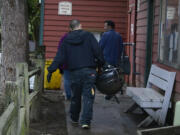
145, 97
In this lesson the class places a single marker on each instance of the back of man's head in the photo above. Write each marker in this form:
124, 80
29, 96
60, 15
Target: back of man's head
110, 23
74, 24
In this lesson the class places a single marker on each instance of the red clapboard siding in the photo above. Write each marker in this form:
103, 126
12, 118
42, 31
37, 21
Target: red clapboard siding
156, 12
88, 24
142, 22
157, 2
84, 18
155, 48
49, 54
141, 62
142, 14
58, 34
144, 6
141, 46
51, 38
141, 37
51, 43
156, 29
88, 13
51, 49
131, 3
55, 28
141, 31
88, 8
92, 15
140, 54
105, 3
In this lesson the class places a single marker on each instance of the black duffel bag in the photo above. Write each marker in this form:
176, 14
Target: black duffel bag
110, 80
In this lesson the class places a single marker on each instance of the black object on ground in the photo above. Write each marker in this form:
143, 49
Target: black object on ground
110, 80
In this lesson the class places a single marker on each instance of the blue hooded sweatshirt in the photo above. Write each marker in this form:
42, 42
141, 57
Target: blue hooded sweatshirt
112, 45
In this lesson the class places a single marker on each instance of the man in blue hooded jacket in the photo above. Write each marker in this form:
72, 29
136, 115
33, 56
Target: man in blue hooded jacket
112, 45
82, 54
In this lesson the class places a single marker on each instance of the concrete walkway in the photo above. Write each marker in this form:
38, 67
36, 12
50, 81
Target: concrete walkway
109, 118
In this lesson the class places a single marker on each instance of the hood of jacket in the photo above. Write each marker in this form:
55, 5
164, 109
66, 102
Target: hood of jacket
75, 37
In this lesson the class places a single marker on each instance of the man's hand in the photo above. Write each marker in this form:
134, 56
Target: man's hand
49, 77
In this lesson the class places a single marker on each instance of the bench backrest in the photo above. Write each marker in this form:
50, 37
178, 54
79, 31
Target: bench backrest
164, 80
161, 78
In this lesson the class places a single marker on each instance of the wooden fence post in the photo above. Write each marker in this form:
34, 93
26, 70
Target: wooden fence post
40, 77
22, 125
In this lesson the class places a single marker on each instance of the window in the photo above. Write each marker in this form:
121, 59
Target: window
169, 41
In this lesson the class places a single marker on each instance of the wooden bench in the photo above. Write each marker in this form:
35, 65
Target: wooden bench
154, 102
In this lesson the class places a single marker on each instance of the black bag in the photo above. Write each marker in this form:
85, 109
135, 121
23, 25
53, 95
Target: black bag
125, 63
110, 80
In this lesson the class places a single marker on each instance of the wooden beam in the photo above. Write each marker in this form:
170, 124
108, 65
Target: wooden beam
169, 130
33, 72
6, 118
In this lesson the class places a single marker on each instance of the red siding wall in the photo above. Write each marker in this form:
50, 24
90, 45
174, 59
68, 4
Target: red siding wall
141, 44
92, 15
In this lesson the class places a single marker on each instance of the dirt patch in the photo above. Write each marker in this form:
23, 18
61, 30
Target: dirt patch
52, 115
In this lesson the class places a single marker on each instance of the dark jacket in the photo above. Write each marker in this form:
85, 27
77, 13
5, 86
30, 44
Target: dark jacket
112, 45
79, 50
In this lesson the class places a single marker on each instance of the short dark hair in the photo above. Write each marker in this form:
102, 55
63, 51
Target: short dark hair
74, 23
110, 23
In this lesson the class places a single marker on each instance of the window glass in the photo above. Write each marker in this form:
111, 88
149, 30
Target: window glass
169, 50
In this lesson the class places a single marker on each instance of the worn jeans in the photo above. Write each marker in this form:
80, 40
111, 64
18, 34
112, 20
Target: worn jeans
67, 84
83, 88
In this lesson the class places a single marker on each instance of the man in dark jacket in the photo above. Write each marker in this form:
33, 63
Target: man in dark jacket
112, 45
81, 52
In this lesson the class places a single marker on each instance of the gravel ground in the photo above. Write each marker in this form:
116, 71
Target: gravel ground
52, 115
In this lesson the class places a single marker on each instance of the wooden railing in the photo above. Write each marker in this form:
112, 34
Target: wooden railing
22, 106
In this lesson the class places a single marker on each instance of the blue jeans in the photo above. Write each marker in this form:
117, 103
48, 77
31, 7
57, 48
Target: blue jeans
67, 84
83, 86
